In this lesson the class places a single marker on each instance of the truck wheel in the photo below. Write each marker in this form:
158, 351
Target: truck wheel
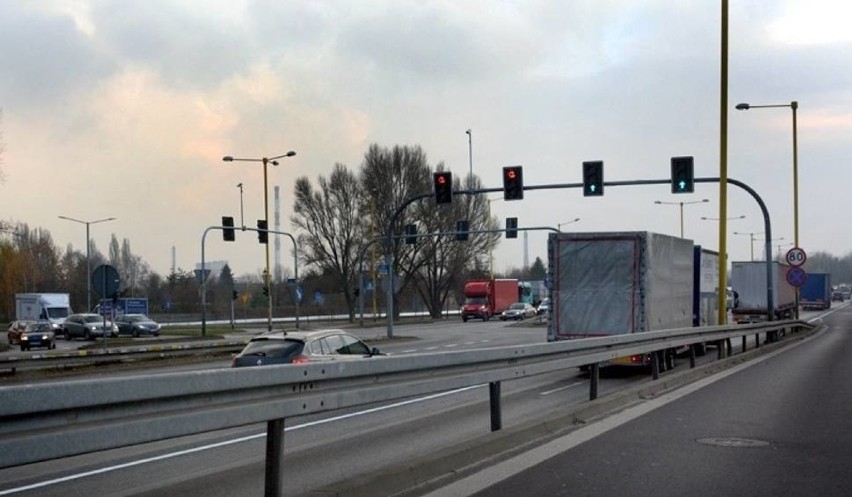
464, 318
486, 317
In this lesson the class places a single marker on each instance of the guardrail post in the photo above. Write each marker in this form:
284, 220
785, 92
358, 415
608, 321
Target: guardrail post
274, 486
744, 344
494, 397
594, 377
720, 349
655, 365
692, 356
757, 340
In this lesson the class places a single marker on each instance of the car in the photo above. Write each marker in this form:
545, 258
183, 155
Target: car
38, 335
543, 306
518, 310
301, 347
137, 324
88, 326
16, 329
835, 296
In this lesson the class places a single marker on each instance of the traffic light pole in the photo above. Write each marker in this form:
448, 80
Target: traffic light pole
389, 236
204, 276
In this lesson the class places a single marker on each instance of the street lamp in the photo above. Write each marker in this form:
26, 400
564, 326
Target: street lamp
266, 161
703, 218
559, 225
751, 237
681, 204
470, 149
794, 105
88, 257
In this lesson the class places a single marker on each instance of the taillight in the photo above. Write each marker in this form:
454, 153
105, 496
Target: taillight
300, 359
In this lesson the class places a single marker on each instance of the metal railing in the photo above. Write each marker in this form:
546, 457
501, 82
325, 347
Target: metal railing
46, 421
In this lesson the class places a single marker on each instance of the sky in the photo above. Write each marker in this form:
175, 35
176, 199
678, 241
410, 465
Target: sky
125, 109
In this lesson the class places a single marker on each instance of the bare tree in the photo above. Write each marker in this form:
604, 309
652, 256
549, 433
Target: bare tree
333, 228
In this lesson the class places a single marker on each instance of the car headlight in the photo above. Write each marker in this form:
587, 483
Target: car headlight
24, 337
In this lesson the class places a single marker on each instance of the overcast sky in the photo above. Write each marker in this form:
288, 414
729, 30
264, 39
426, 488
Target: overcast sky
125, 108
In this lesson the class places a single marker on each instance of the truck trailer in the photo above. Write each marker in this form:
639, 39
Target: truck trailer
816, 292
614, 283
485, 299
52, 308
748, 280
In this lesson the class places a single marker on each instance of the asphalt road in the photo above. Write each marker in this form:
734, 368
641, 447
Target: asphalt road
775, 426
326, 448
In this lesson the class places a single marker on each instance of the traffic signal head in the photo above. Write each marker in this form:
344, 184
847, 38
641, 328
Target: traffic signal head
262, 234
683, 179
511, 227
410, 234
461, 230
266, 291
228, 231
513, 183
443, 187
593, 183
235, 295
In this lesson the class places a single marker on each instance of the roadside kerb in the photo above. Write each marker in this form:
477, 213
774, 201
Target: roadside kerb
49, 360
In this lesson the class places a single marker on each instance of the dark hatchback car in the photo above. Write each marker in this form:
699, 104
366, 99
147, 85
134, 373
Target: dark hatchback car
136, 325
301, 347
38, 335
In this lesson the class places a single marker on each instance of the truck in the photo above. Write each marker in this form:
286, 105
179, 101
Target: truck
488, 297
748, 280
52, 308
705, 290
125, 305
615, 283
816, 292
532, 291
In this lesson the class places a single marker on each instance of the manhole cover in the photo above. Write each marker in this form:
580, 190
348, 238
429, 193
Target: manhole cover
733, 442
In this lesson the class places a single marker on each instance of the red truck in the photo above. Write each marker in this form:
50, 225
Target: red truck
487, 298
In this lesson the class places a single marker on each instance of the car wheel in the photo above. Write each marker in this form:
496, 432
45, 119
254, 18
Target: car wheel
464, 319
67, 335
52, 345
23, 347
135, 333
87, 336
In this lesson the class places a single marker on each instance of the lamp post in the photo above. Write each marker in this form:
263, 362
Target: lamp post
470, 149
88, 257
751, 237
266, 275
681, 204
242, 219
703, 218
559, 225
794, 105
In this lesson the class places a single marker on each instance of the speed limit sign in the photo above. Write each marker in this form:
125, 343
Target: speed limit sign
796, 257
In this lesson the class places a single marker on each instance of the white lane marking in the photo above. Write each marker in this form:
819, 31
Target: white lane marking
451, 345
228, 442
566, 387
432, 348
409, 351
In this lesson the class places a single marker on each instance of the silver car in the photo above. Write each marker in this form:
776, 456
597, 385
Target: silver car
518, 311
88, 327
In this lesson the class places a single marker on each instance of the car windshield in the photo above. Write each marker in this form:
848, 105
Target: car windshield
476, 300
273, 348
94, 319
517, 306
135, 318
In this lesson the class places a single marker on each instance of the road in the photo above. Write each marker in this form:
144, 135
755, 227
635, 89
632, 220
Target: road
325, 448
775, 426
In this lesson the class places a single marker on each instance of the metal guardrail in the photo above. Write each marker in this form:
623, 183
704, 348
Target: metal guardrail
51, 359
46, 421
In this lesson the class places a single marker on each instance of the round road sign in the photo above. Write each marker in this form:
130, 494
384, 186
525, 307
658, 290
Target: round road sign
797, 276
796, 257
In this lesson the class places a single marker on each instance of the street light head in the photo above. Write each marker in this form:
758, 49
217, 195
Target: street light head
290, 154
657, 202
274, 162
705, 200
743, 106
228, 158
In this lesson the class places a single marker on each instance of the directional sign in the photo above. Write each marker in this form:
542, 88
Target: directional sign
797, 276
796, 257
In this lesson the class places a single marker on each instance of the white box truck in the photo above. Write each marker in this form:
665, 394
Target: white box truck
49, 307
748, 279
